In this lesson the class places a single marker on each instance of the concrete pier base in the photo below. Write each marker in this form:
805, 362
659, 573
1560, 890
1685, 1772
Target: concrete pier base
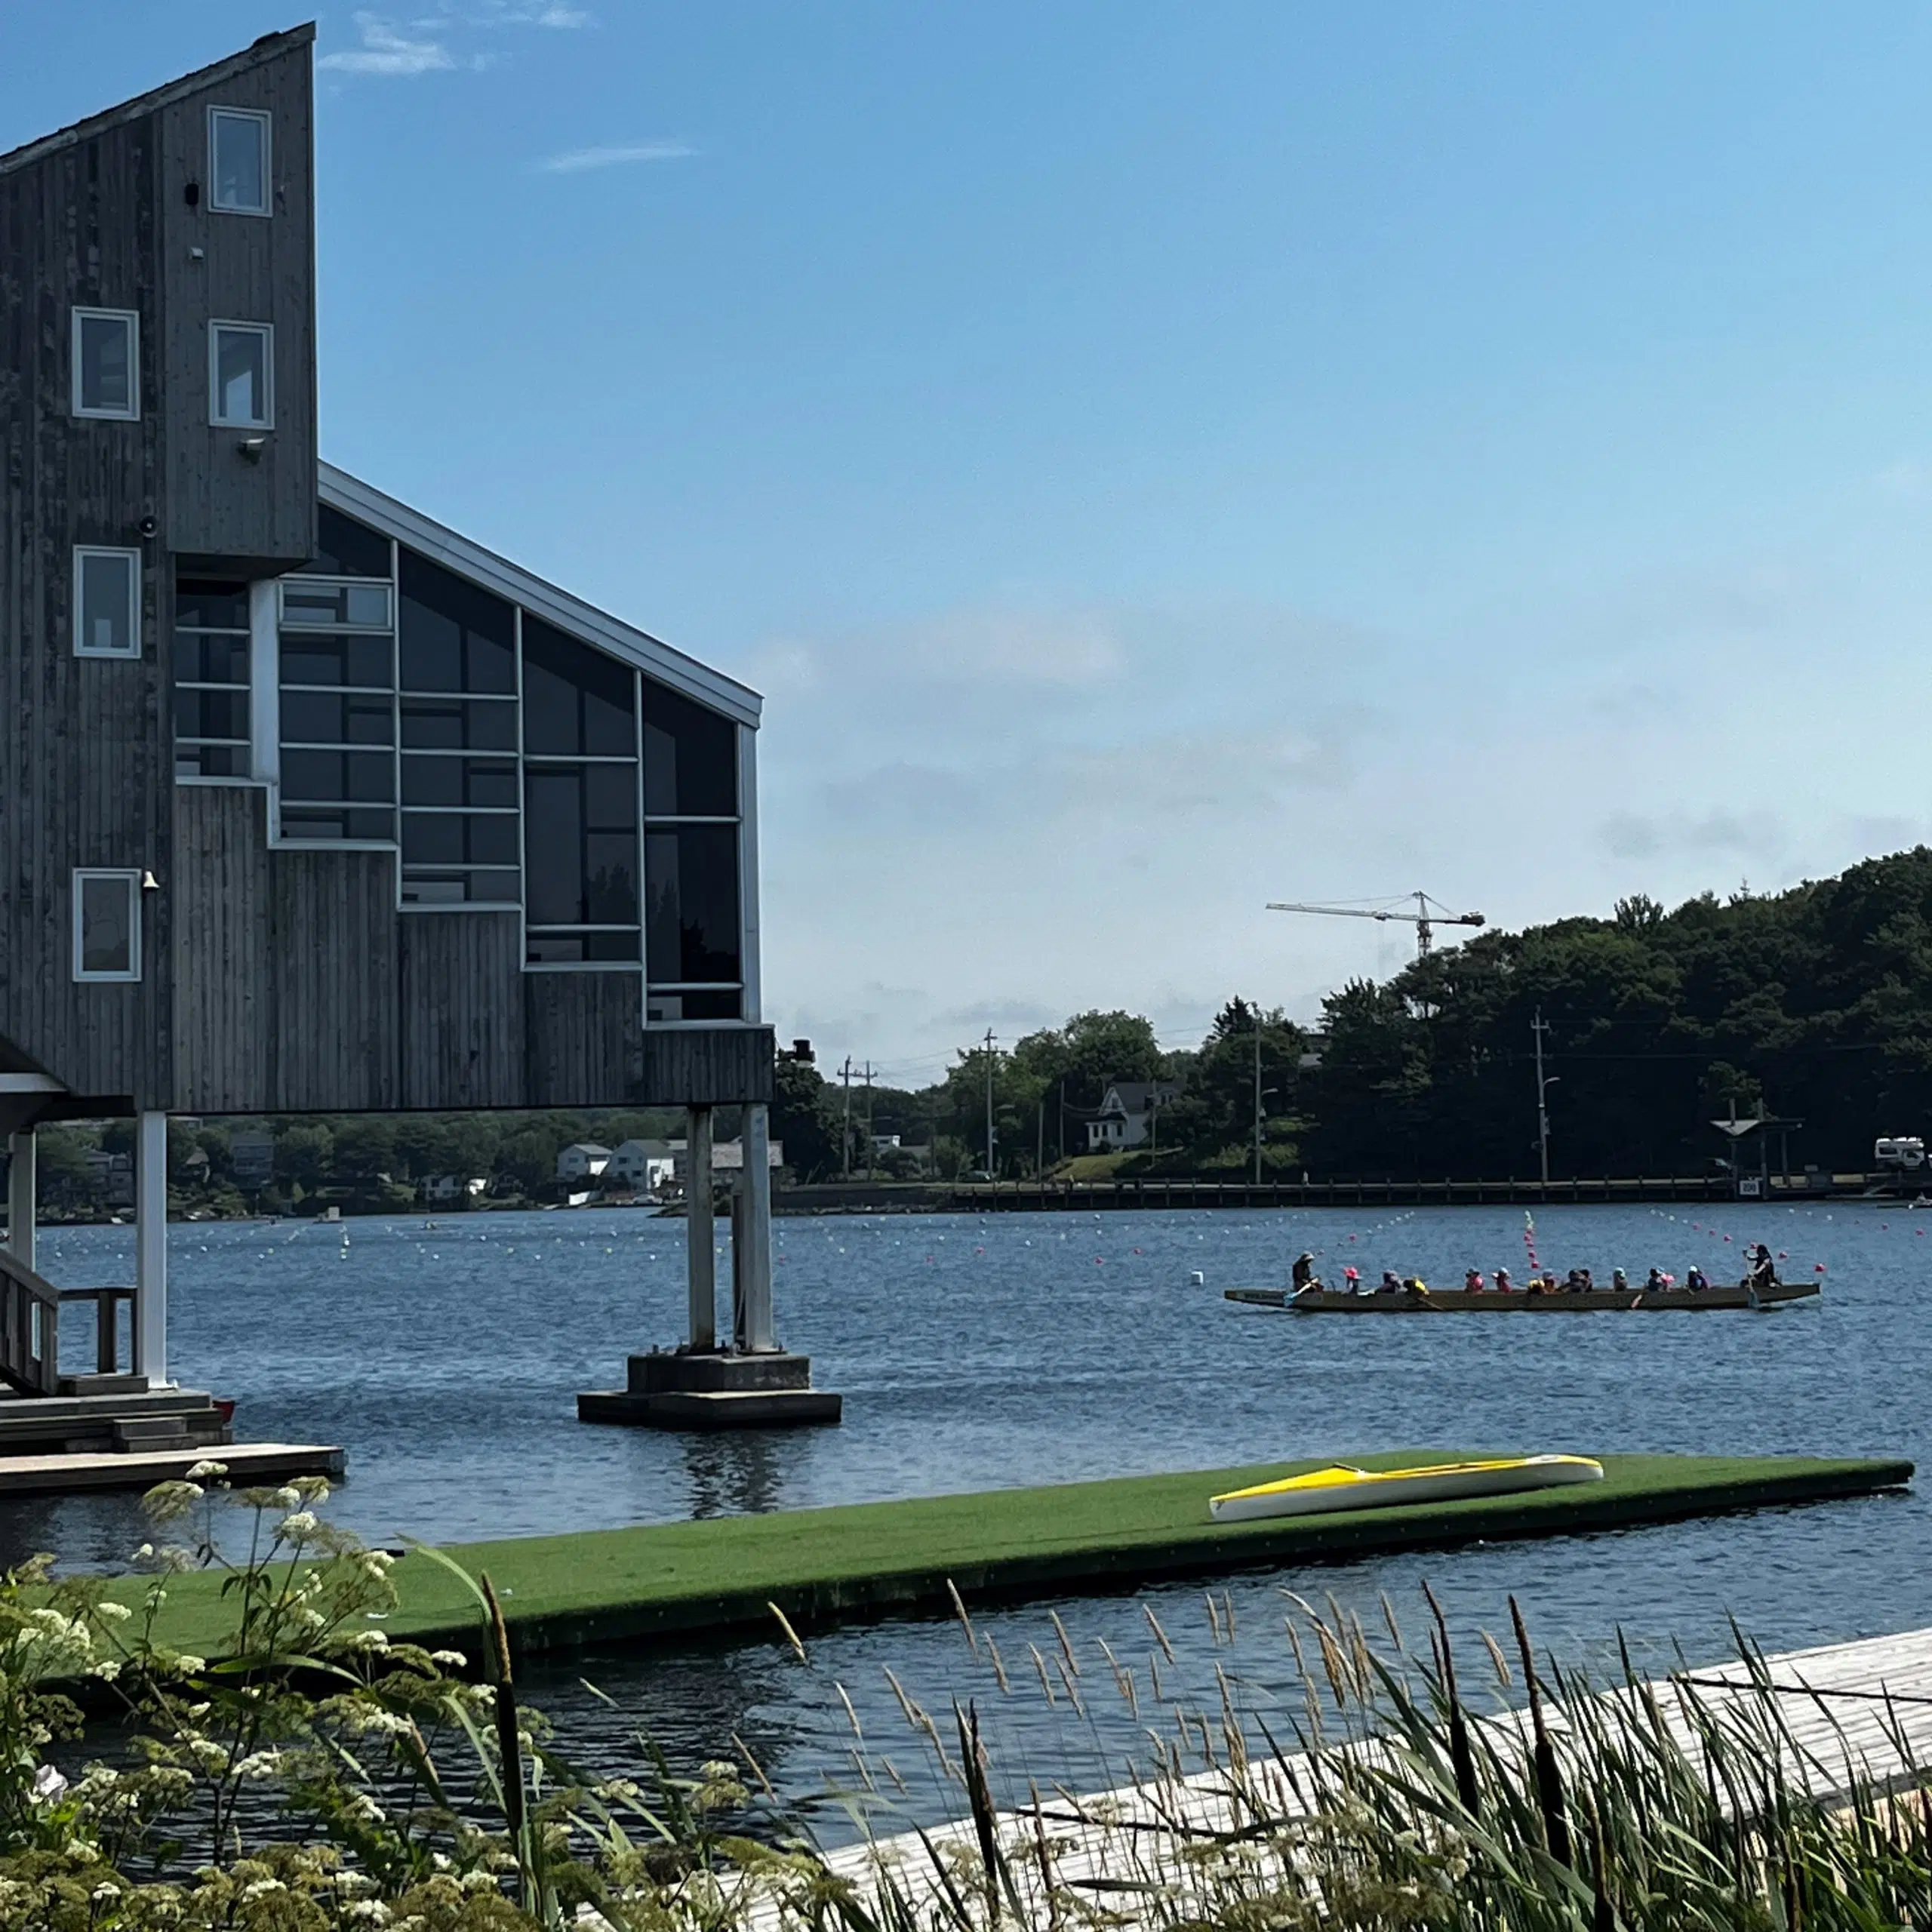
694, 1388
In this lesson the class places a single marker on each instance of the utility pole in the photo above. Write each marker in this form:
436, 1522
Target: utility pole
1257, 1096
845, 1138
1539, 1028
989, 1103
869, 1146
1040, 1136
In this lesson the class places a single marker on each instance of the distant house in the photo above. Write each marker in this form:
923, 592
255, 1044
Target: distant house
114, 1175
1127, 1110
251, 1155
727, 1157
644, 1164
454, 1187
583, 1159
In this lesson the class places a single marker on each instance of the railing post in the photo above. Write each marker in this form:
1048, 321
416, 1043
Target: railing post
754, 1328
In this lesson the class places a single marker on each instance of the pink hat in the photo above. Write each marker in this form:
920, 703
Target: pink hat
1352, 1273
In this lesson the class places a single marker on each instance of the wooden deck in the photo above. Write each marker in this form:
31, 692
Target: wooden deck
247, 1463
1859, 1712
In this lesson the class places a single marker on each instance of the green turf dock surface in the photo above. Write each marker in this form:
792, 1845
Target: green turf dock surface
676, 1580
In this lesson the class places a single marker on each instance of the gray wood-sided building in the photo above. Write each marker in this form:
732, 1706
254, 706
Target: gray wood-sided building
307, 803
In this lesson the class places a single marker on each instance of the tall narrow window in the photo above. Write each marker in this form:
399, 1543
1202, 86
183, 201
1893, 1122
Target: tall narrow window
241, 375
580, 804
462, 844
107, 603
694, 957
106, 359
211, 679
107, 925
238, 161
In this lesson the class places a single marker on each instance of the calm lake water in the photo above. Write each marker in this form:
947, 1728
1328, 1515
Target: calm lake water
980, 1352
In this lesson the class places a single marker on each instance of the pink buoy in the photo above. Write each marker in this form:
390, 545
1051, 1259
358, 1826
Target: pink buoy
1817, 1267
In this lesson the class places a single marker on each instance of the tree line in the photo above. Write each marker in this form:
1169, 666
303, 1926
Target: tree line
1813, 1006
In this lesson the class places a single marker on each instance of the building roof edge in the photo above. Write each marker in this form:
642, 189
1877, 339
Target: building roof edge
265, 48
437, 541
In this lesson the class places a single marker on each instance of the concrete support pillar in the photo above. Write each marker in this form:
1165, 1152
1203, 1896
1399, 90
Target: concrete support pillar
755, 1332
739, 1250
151, 1249
698, 1236
21, 1196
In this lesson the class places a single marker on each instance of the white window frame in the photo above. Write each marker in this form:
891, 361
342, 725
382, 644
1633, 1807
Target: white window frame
131, 877
266, 331
131, 317
78, 623
266, 121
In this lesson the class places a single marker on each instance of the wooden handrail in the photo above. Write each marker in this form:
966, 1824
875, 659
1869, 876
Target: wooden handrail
106, 1320
29, 1329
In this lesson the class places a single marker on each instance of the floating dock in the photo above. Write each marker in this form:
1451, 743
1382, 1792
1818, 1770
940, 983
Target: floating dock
248, 1464
668, 1582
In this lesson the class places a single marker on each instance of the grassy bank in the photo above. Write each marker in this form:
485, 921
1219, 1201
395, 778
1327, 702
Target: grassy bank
670, 1581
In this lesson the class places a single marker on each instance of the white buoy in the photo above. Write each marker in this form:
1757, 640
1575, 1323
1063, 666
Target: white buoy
1197, 1279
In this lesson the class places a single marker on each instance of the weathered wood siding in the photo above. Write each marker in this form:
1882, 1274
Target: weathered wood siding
723, 1065
333, 932
260, 512
86, 755
584, 1038
462, 1017
224, 996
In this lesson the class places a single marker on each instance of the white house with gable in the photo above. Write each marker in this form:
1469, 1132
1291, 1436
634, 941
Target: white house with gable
1128, 1109
583, 1159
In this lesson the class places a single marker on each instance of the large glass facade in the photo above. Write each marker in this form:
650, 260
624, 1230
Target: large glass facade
510, 765
211, 679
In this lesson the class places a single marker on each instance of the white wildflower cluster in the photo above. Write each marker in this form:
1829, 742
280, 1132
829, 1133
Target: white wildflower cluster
206, 1472
263, 1888
260, 1765
111, 1612
297, 1526
359, 1640
450, 1659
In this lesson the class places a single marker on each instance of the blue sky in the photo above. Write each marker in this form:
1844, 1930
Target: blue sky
1159, 459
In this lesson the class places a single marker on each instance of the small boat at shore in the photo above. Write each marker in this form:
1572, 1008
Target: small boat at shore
1342, 1486
1316, 1299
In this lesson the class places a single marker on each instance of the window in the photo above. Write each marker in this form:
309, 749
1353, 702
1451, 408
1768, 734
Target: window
238, 161
337, 698
212, 706
241, 375
107, 603
582, 903
106, 364
694, 961
461, 843
107, 925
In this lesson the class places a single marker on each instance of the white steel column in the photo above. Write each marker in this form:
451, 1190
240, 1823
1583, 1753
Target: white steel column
151, 1249
755, 1328
700, 1261
22, 1195
264, 682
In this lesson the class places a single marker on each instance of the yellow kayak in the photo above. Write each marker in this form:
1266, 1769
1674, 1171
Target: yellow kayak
1342, 1487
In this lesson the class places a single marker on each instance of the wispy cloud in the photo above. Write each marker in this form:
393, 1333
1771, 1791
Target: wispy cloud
401, 49
391, 51
579, 161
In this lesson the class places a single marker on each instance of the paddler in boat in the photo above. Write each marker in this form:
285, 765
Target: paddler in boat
1764, 1271
1474, 1281
1618, 1280
1302, 1275
1391, 1283
1351, 1280
1695, 1279
1504, 1286
1656, 1281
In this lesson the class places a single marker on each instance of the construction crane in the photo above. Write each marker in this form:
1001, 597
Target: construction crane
1429, 913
